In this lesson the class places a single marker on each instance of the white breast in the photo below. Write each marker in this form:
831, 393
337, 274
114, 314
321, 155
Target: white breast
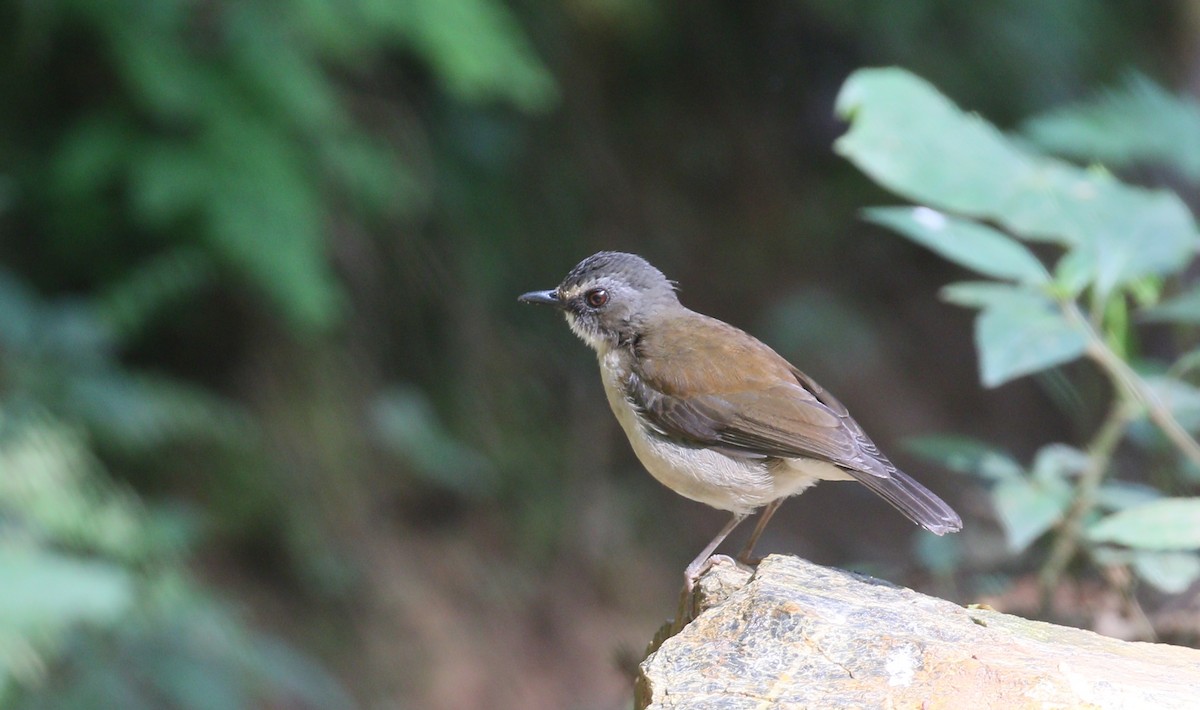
725, 482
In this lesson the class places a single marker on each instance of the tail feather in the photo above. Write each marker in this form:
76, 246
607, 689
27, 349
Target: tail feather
918, 503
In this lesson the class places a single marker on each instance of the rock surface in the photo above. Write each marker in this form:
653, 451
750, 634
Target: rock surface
797, 635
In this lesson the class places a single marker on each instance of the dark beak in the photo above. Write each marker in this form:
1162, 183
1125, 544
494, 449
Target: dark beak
549, 298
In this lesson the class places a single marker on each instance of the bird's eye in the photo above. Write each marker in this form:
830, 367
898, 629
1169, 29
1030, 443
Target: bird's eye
596, 298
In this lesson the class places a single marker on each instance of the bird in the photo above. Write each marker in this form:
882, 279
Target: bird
715, 414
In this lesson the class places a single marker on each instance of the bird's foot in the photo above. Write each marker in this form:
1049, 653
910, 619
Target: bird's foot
688, 609
694, 571
687, 600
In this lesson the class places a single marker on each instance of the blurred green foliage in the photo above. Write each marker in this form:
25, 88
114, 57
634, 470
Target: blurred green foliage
1115, 128
96, 583
63, 357
207, 143
97, 607
406, 424
224, 126
912, 140
1115, 239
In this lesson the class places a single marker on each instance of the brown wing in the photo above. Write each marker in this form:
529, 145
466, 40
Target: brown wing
730, 391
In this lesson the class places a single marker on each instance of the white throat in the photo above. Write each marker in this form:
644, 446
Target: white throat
593, 340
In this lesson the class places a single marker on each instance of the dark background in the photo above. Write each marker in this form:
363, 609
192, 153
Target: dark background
315, 218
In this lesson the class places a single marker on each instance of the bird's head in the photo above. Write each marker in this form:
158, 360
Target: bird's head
610, 298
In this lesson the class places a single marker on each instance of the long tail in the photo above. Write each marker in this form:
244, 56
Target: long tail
918, 503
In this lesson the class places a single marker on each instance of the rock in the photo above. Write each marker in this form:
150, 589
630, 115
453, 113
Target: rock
797, 635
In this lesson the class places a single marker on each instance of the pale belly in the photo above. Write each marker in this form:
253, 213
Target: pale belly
733, 483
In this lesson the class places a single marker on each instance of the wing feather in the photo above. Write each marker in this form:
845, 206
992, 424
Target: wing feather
738, 395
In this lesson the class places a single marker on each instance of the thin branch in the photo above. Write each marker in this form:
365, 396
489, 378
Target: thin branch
1158, 412
1070, 532
1130, 390
1126, 379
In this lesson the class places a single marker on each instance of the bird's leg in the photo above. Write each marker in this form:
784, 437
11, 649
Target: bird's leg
698, 565
687, 600
745, 555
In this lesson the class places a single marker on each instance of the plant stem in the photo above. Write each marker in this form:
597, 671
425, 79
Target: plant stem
1130, 391
1128, 381
1158, 412
1070, 532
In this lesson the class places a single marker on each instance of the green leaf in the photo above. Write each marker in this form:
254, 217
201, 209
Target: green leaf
167, 178
151, 287
980, 294
1167, 524
1138, 122
1022, 334
476, 48
143, 413
1059, 461
1019, 331
966, 243
1072, 273
160, 71
1184, 308
281, 72
265, 215
45, 591
1119, 495
1169, 572
1029, 508
405, 423
966, 455
21, 315
1186, 363
91, 152
915, 142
